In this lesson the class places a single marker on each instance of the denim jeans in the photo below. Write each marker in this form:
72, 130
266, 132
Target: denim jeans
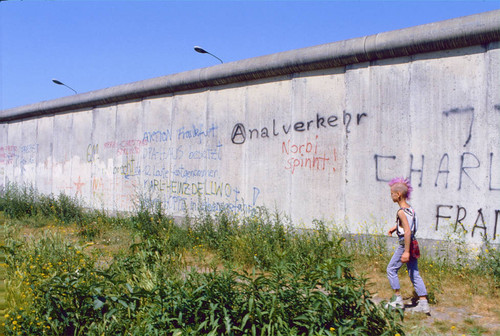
412, 266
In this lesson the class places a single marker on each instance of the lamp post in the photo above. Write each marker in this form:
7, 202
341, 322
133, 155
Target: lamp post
58, 82
200, 50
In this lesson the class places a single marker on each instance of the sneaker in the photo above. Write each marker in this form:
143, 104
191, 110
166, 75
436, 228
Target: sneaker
396, 302
422, 307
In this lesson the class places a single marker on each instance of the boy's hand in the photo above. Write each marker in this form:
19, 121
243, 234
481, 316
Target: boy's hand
405, 257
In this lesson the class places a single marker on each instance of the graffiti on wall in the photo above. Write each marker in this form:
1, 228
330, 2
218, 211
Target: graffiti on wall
308, 155
466, 170
241, 133
22, 155
165, 165
464, 174
8, 154
446, 173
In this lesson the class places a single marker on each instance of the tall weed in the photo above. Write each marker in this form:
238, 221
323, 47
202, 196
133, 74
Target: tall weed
19, 202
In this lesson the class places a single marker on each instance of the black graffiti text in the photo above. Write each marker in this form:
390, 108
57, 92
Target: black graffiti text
465, 169
241, 133
468, 222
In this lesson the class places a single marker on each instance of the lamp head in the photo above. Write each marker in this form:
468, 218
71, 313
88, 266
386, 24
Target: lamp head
200, 50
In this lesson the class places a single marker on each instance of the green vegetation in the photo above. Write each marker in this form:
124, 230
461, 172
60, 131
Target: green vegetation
69, 271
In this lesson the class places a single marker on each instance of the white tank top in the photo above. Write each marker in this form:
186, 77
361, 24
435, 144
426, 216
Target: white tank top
411, 217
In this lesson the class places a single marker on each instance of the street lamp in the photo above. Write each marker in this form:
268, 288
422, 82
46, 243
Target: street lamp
203, 51
58, 82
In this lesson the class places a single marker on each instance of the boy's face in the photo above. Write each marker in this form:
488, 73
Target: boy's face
395, 195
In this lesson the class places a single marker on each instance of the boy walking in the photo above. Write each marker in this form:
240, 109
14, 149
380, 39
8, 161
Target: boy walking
406, 226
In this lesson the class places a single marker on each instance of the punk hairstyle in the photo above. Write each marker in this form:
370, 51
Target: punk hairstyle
404, 181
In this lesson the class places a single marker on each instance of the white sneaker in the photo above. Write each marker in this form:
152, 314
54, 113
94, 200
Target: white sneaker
396, 302
422, 307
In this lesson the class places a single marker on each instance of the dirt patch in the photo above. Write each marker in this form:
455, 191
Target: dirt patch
456, 311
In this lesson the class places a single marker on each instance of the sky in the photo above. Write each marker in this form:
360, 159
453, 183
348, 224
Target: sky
92, 45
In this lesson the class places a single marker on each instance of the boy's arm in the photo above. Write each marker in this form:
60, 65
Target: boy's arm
391, 230
406, 228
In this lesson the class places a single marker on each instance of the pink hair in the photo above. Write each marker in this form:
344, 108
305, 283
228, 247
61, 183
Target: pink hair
404, 181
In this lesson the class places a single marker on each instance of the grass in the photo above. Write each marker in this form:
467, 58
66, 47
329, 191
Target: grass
77, 272
3, 274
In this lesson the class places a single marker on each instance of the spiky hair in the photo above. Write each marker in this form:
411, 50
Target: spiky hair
403, 182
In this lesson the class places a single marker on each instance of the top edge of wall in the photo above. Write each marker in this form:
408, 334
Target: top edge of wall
455, 33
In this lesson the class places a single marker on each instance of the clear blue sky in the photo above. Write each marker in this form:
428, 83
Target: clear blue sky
91, 45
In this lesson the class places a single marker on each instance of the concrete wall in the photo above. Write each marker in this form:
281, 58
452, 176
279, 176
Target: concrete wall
316, 133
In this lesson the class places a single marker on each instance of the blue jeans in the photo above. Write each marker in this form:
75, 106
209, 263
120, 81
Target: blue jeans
412, 266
